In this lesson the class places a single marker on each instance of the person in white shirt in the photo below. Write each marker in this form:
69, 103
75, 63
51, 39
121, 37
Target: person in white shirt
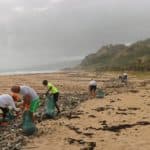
92, 88
125, 76
30, 98
7, 102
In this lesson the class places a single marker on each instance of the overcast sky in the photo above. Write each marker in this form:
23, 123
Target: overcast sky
34, 32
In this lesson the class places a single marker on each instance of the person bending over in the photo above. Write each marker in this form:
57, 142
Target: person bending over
6, 103
30, 98
53, 91
92, 88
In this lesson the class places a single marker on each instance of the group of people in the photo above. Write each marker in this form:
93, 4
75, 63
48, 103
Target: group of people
93, 84
30, 99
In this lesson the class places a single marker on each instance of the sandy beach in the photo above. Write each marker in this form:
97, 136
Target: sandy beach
120, 121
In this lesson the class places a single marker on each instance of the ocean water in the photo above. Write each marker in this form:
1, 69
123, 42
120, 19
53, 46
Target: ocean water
48, 68
27, 72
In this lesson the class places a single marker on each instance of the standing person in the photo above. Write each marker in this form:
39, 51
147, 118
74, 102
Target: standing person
7, 102
53, 91
30, 98
92, 88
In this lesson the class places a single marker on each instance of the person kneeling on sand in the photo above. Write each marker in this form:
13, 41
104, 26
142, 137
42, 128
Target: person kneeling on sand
30, 98
53, 91
92, 88
7, 103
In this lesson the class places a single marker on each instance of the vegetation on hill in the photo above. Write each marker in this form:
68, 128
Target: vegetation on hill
135, 57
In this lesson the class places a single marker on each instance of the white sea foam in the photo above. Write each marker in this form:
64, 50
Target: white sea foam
27, 72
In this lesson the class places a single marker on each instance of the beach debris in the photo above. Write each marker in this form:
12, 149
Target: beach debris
118, 128
88, 134
133, 108
121, 113
134, 90
88, 145
91, 116
77, 130
70, 101
11, 138
104, 122
127, 111
108, 107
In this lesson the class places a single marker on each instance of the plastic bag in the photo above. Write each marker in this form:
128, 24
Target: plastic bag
50, 107
28, 127
9, 117
100, 93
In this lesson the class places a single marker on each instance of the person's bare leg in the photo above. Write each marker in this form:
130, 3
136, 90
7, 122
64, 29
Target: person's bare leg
94, 94
90, 95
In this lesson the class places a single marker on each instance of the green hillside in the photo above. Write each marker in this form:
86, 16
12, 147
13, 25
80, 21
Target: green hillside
120, 57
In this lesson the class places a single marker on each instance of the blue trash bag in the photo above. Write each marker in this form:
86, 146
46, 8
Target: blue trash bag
50, 107
100, 93
28, 126
9, 117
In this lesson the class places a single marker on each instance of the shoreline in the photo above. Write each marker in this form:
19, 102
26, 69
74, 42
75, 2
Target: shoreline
29, 72
136, 74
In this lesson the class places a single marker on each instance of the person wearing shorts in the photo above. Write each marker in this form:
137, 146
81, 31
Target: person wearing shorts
92, 88
30, 98
53, 91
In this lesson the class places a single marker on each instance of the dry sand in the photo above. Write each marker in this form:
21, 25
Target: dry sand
120, 121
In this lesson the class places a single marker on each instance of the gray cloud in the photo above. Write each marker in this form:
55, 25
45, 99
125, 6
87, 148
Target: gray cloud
43, 31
